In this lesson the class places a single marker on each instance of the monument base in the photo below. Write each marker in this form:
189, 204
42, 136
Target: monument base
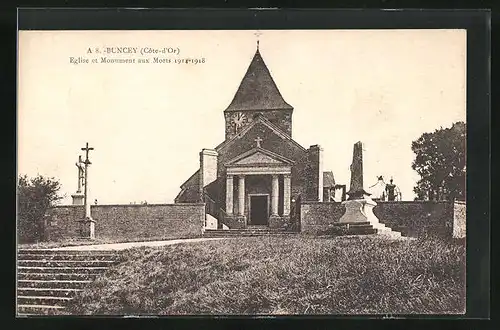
87, 228
78, 198
359, 210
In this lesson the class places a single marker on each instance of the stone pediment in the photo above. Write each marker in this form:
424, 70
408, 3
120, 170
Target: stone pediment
259, 156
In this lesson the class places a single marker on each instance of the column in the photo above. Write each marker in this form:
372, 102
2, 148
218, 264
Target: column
286, 194
229, 194
274, 196
241, 195
86, 195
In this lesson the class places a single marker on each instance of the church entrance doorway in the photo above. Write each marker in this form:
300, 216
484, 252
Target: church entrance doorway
259, 210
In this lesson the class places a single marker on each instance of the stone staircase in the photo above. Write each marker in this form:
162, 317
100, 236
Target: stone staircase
48, 279
368, 228
247, 232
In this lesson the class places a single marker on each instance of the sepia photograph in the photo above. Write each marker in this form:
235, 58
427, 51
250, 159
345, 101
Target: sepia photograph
241, 172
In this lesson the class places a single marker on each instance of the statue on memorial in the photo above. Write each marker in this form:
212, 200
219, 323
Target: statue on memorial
378, 190
392, 191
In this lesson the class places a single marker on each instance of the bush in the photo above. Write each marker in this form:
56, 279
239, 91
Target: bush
35, 197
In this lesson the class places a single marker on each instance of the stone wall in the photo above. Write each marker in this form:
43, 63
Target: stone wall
412, 218
129, 222
416, 218
459, 223
314, 174
315, 216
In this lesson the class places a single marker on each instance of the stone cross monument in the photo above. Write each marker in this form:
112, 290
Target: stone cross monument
87, 227
79, 196
359, 206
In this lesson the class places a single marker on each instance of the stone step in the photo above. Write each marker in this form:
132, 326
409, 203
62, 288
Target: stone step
58, 276
359, 227
66, 270
361, 231
383, 231
34, 309
47, 292
263, 228
48, 279
42, 300
249, 232
53, 284
245, 233
66, 263
368, 228
67, 256
345, 224
391, 233
266, 229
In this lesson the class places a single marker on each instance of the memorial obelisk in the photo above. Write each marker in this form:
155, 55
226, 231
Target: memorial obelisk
359, 206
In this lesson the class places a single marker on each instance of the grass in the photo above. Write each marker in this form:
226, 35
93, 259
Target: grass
288, 275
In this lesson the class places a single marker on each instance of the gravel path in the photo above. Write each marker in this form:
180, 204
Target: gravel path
123, 246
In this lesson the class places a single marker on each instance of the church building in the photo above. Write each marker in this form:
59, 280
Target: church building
258, 173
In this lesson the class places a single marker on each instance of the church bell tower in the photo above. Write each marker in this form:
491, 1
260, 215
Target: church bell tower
257, 95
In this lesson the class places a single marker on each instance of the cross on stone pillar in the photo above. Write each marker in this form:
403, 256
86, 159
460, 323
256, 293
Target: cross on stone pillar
258, 140
87, 163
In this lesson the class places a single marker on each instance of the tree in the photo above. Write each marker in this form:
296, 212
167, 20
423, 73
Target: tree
440, 161
35, 197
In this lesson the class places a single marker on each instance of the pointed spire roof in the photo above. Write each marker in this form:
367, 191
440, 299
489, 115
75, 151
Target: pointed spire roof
257, 90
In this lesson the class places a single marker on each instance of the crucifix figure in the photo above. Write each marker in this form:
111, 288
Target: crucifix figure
80, 173
258, 140
87, 163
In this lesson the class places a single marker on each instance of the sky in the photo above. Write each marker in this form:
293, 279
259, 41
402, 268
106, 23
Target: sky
149, 121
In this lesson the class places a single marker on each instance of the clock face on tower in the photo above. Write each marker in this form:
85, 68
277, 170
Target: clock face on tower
239, 119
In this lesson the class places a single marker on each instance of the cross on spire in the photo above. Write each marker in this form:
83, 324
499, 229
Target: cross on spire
258, 140
258, 34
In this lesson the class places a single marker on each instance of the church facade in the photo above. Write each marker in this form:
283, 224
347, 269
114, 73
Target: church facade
258, 173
